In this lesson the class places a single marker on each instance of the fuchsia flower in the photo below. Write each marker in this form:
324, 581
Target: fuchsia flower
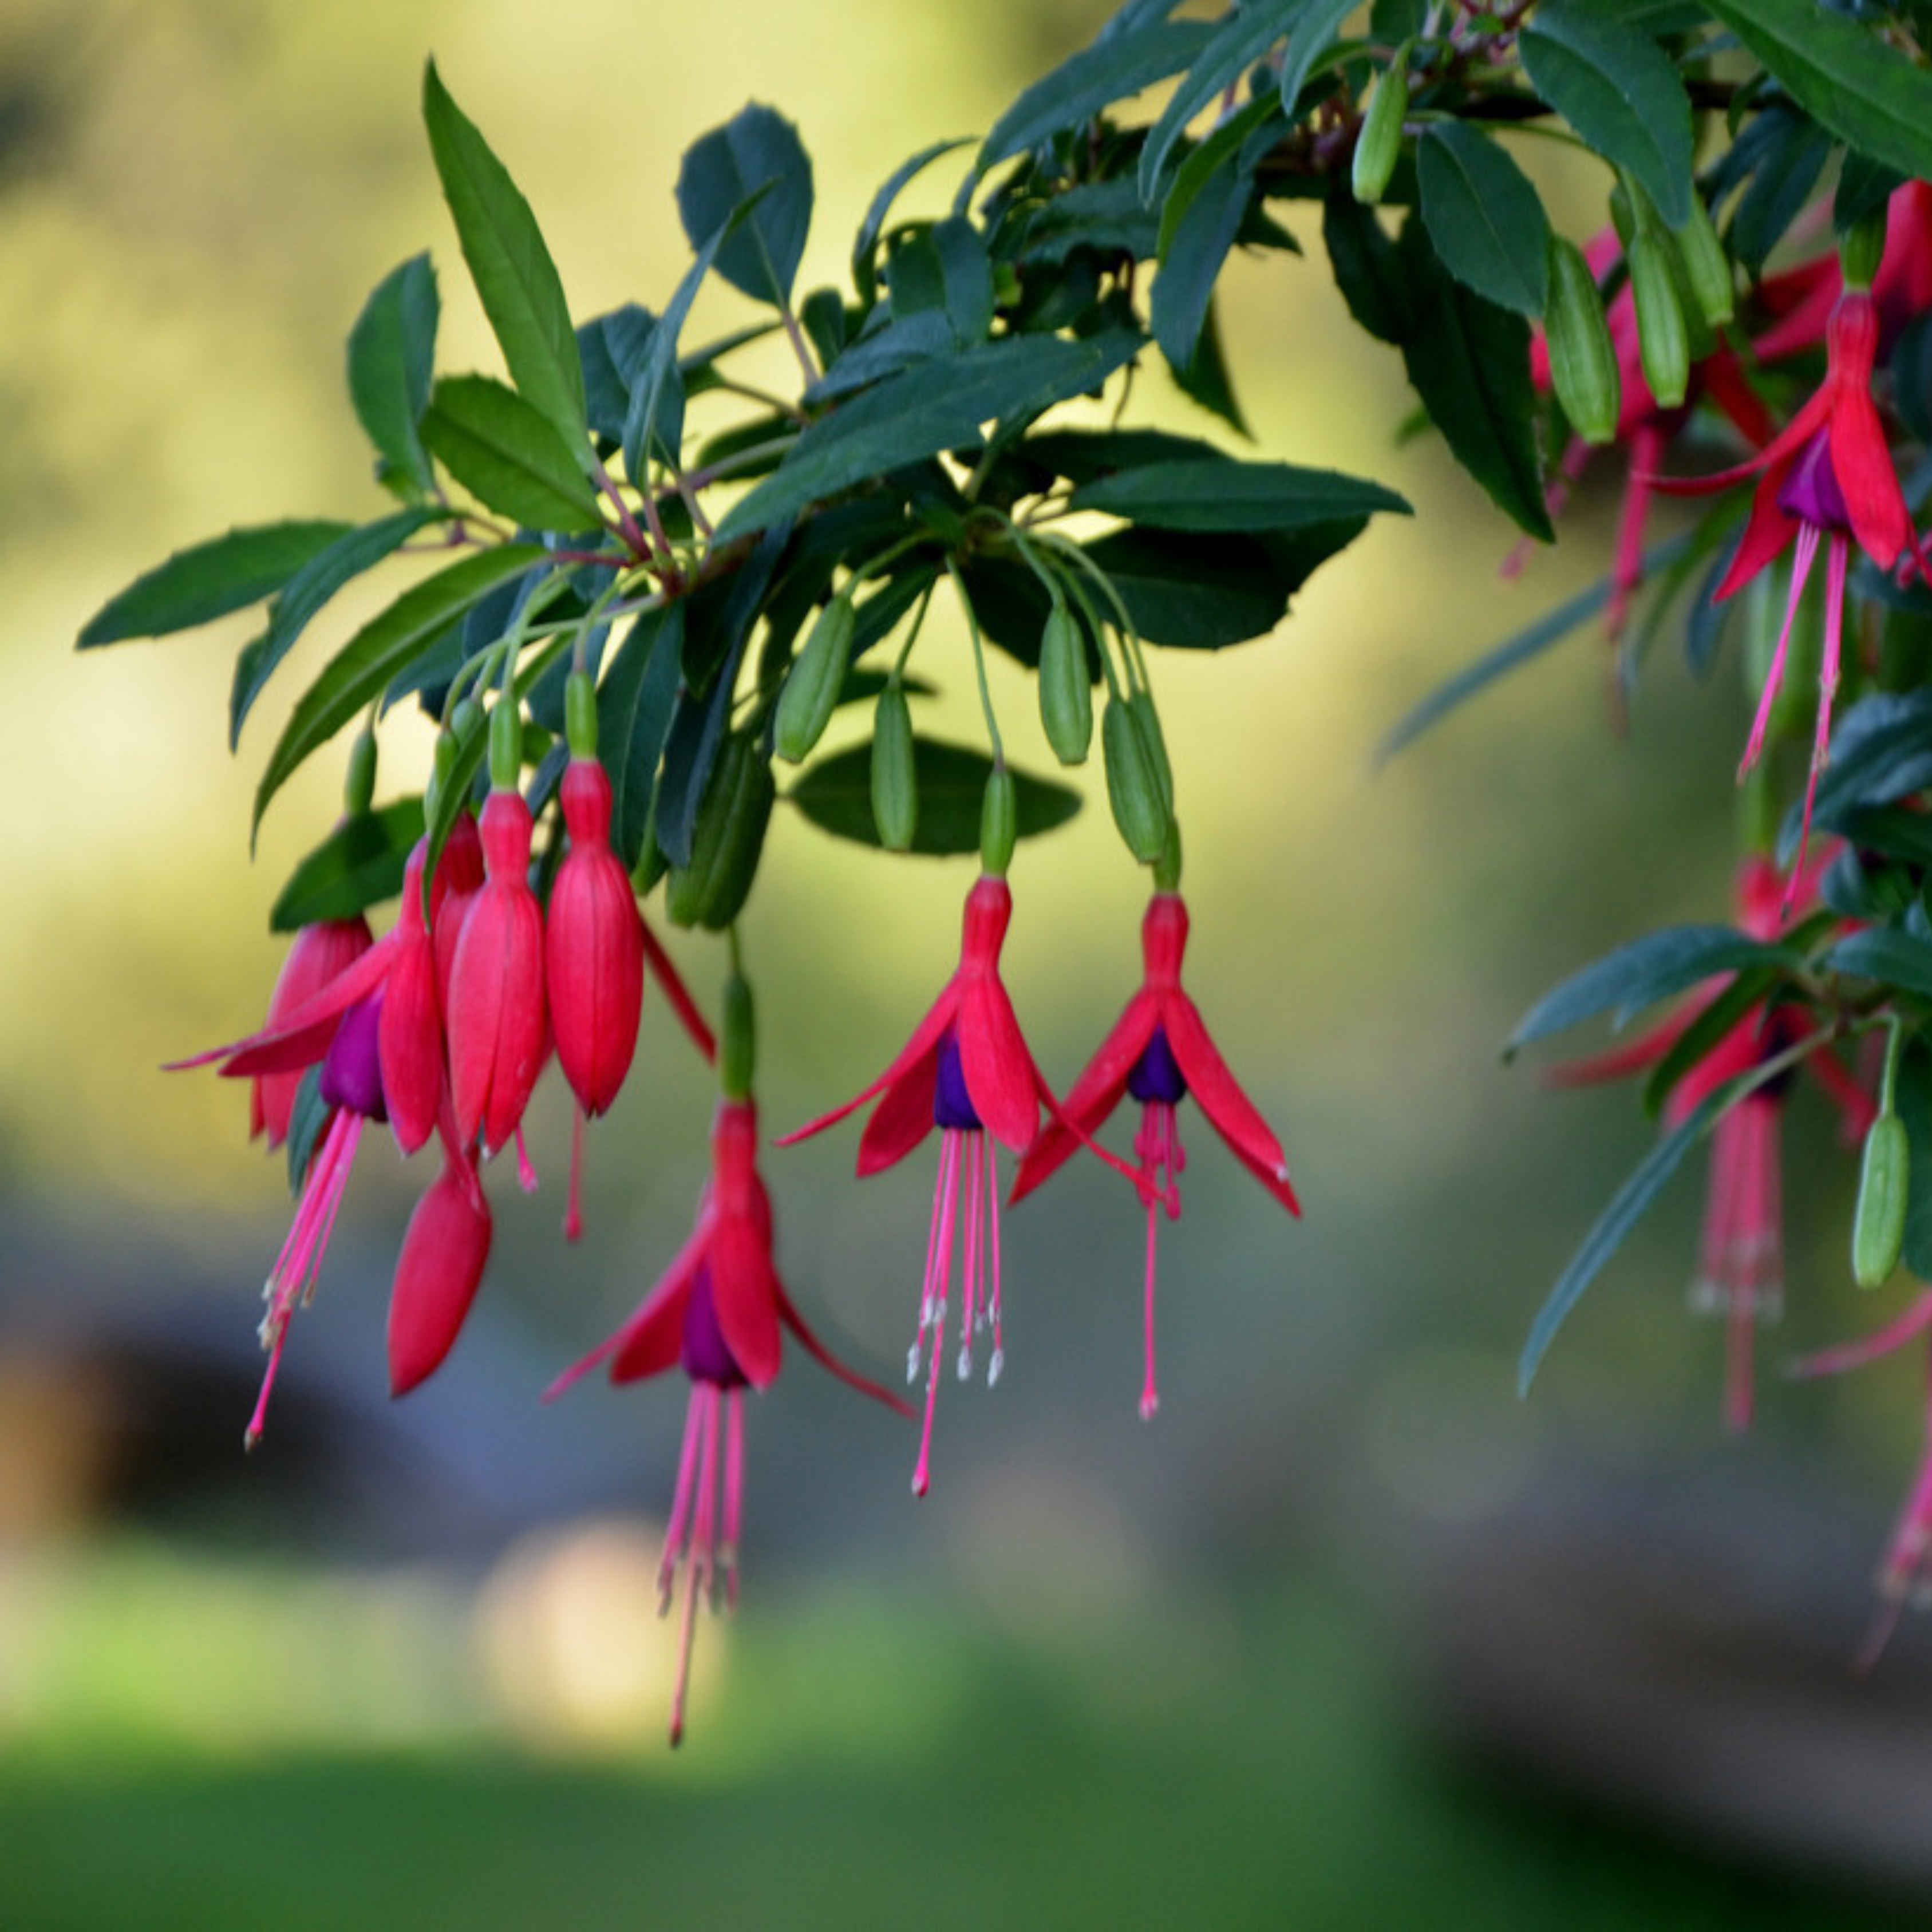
1828, 476
496, 1023
1740, 1274
717, 1313
444, 1250
1158, 1051
967, 1071
316, 955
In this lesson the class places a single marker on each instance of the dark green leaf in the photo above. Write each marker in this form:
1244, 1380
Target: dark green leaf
1218, 493
1191, 263
836, 795
1619, 90
1746, 992
1198, 592
1627, 1208
1646, 971
207, 581
1913, 1096
633, 707
1206, 380
757, 151
1887, 954
1881, 750
391, 357
515, 277
1368, 269
1116, 68
360, 864
1086, 455
1469, 361
308, 1121
1864, 186
305, 594
1864, 91
1896, 831
508, 456
896, 344
1237, 43
1487, 226
1790, 154
1313, 35
865, 246
361, 670
937, 405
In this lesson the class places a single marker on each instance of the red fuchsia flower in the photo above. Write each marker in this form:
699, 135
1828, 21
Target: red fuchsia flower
1740, 1274
1827, 477
1158, 1052
1905, 1573
316, 955
497, 1027
459, 878
967, 1071
444, 1250
717, 1313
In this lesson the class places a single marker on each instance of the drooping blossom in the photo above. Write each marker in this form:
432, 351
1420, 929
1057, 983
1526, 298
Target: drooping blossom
1159, 1051
444, 1250
1740, 1275
966, 1070
717, 1313
317, 953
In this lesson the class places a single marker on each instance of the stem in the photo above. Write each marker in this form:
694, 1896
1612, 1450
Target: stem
979, 666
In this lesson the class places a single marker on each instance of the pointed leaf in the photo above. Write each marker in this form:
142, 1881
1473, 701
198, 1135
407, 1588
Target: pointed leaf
1313, 36
207, 580
1218, 493
362, 669
515, 278
866, 243
359, 865
1484, 218
391, 357
1237, 43
1881, 750
635, 704
509, 455
836, 795
757, 151
1913, 1095
1888, 955
1191, 259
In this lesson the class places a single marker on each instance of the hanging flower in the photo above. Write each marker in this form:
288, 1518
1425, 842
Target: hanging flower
316, 955
444, 1250
1158, 1051
717, 1313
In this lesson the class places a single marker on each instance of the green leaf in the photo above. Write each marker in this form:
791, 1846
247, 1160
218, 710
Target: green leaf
1313, 36
1888, 955
358, 673
1218, 493
1487, 226
1787, 153
1747, 991
508, 455
1086, 455
1619, 90
1115, 68
1237, 43
1913, 1096
635, 704
207, 580
515, 277
1646, 971
939, 404
1368, 268
866, 243
392, 357
836, 795
1627, 1207
1863, 90
1191, 259
1469, 361
306, 592
1201, 592
360, 864
757, 151
1881, 750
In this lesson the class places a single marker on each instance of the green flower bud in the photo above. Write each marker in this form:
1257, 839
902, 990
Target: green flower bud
895, 777
1878, 1222
999, 822
1862, 248
1066, 696
358, 788
812, 684
1133, 786
1663, 341
1706, 267
737, 1056
711, 891
1378, 144
580, 714
1582, 359
506, 744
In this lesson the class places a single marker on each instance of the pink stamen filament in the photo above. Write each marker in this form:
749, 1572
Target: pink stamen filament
1837, 559
1162, 1158
676, 1530
699, 1551
734, 1491
526, 1169
997, 1359
932, 1299
1800, 570
971, 1261
573, 1206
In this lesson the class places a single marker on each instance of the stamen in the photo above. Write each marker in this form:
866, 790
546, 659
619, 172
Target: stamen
998, 1359
932, 1301
573, 1208
1801, 569
970, 1264
734, 1491
703, 1418
680, 1508
1836, 560
526, 1171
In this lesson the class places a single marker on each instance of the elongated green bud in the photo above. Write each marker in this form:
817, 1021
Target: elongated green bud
711, 891
1065, 697
738, 1053
1663, 341
1378, 145
812, 684
1706, 266
506, 744
1141, 703
1133, 786
580, 714
1878, 1223
358, 788
895, 777
1862, 248
999, 822
1582, 359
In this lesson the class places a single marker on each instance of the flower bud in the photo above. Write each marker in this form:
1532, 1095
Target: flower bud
444, 1250
1133, 787
1663, 341
358, 790
1582, 359
711, 891
1862, 247
1878, 1222
895, 775
580, 714
1378, 145
1706, 267
1066, 695
812, 684
738, 1061
506, 744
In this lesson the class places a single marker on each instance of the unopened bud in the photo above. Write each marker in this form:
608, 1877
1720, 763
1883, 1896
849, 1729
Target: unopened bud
999, 822
580, 714
1066, 696
730, 835
1663, 341
1133, 788
1582, 359
358, 788
1878, 1222
1706, 267
812, 684
1378, 145
737, 1060
895, 775
1862, 248
506, 744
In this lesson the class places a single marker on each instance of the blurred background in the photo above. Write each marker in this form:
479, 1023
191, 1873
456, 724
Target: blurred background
1347, 1635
